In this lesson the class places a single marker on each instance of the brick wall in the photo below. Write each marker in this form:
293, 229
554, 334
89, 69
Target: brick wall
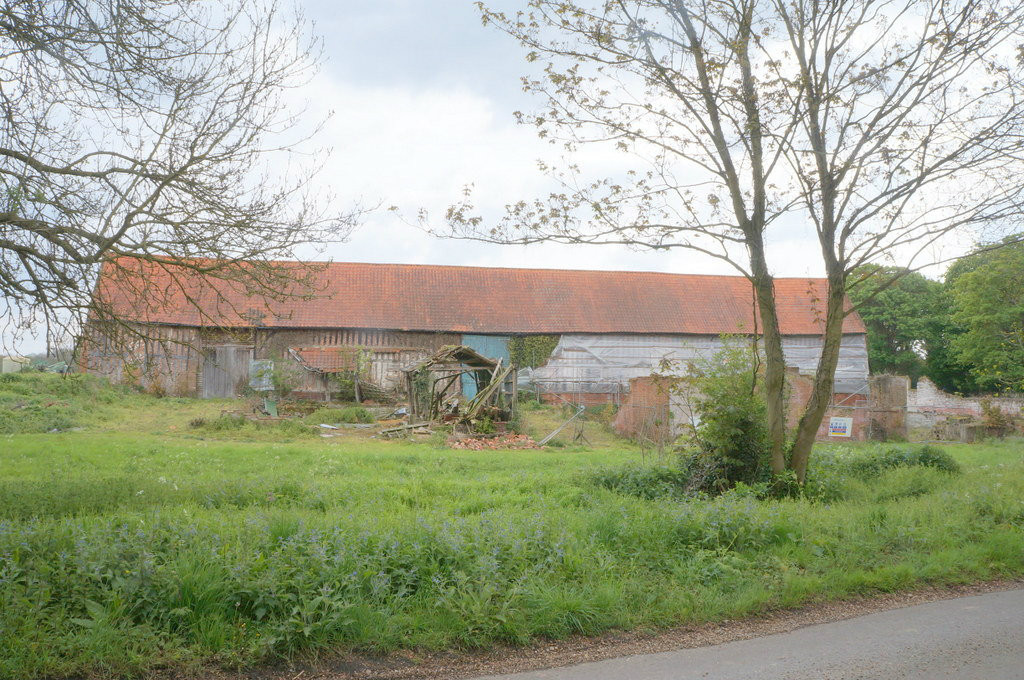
928, 405
650, 411
843, 406
645, 412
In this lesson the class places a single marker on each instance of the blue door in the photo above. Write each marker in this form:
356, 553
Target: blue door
492, 347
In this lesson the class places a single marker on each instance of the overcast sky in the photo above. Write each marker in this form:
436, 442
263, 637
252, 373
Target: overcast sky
423, 98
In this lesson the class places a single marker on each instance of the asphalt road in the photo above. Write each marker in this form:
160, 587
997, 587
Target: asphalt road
980, 637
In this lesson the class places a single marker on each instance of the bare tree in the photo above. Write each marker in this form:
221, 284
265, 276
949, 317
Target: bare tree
162, 132
884, 124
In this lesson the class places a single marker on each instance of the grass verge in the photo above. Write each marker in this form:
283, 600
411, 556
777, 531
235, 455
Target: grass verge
122, 551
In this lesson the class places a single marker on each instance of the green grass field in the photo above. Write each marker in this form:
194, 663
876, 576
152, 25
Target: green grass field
141, 541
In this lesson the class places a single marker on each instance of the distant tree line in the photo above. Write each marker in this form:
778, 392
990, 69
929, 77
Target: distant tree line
965, 333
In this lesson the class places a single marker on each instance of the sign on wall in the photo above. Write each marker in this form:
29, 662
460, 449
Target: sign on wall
261, 375
840, 427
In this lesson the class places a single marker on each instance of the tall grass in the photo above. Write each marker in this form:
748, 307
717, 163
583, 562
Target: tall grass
44, 402
183, 555
120, 552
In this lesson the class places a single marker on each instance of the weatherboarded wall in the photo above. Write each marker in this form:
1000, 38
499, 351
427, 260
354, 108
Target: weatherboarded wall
162, 359
175, 359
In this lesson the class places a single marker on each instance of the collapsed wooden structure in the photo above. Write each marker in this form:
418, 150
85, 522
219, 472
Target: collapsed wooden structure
435, 387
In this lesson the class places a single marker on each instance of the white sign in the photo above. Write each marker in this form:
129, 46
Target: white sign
840, 427
261, 375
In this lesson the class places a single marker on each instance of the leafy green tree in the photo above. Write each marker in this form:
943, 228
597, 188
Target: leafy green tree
943, 364
988, 296
732, 437
905, 313
910, 325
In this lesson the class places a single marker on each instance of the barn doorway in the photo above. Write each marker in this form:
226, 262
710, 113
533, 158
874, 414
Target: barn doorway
225, 371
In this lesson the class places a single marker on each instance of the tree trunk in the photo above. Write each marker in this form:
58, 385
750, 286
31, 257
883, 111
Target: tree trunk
824, 377
775, 360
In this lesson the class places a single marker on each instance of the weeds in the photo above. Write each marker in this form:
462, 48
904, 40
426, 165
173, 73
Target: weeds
831, 477
123, 552
347, 414
650, 482
409, 546
40, 402
236, 425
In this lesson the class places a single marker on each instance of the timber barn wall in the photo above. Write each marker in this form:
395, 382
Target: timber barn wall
169, 359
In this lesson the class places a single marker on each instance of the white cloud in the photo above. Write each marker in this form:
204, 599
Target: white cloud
419, 148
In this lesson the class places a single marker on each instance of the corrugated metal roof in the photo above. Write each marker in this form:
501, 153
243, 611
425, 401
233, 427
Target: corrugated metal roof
470, 300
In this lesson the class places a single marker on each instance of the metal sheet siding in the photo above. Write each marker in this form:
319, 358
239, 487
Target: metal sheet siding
606, 363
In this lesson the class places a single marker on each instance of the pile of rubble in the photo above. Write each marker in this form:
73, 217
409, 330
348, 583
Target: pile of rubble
502, 441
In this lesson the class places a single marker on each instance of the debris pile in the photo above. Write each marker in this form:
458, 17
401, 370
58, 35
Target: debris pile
502, 441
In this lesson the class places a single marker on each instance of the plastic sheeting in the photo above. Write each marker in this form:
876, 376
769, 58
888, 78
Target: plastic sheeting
605, 364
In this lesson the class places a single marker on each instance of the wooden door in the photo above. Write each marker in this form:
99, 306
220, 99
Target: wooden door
225, 371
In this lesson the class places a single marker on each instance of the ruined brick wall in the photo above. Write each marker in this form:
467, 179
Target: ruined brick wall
928, 406
844, 405
888, 407
890, 410
651, 410
645, 413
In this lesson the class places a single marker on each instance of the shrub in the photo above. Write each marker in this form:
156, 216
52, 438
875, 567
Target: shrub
732, 436
603, 413
873, 463
224, 423
645, 481
933, 456
484, 425
997, 422
530, 400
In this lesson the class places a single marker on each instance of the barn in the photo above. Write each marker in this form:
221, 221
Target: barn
368, 321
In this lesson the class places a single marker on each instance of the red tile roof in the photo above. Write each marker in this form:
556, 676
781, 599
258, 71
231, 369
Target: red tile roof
469, 300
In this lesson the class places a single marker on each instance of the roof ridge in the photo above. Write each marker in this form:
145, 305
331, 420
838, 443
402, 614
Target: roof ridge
560, 270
